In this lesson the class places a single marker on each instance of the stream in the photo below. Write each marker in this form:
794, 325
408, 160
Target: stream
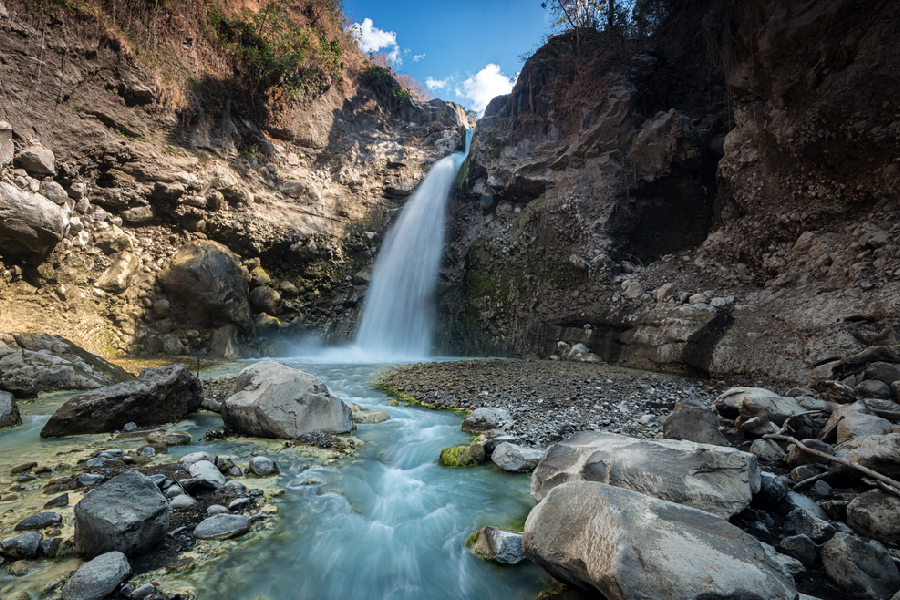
388, 523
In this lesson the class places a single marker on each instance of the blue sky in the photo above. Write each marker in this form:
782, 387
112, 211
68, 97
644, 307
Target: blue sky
466, 51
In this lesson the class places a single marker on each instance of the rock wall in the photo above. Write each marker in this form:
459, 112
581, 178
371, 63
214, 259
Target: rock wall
109, 169
668, 216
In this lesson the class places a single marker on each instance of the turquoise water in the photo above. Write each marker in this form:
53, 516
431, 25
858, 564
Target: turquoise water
388, 523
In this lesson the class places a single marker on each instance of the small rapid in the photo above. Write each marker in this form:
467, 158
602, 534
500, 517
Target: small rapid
398, 311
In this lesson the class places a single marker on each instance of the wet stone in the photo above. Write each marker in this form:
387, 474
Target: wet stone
222, 526
39, 521
61, 500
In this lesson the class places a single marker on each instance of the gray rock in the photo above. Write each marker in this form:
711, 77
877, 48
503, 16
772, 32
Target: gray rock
239, 504
61, 500
850, 421
89, 479
873, 388
627, 545
34, 363
800, 547
693, 421
773, 488
803, 522
876, 515
796, 457
483, 419
767, 450
790, 564
9, 411
773, 408
499, 546
273, 400
50, 546
860, 567
511, 457
712, 478
159, 395
113, 240
126, 514
263, 467
206, 277
29, 222
885, 372
187, 460
98, 578
877, 452
41, 520
24, 545
208, 474
181, 501
729, 403
216, 509
365, 416
222, 526
793, 501
143, 591
37, 160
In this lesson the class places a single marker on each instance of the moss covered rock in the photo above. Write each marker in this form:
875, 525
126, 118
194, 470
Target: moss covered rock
462, 456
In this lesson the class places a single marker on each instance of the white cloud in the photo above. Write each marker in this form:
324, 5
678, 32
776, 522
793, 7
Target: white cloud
373, 39
418, 57
435, 84
486, 85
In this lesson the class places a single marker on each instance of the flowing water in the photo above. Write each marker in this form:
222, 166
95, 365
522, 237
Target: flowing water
398, 311
388, 523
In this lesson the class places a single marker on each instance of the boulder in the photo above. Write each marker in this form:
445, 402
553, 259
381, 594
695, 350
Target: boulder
877, 452
796, 457
803, 522
265, 300
271, 399
729, 403
887, 373
9, 411
37, 160
850, 421
511, 457
29, 222
263, 467
207, 474
693, 421
800, 547
222, 526
876, 515
774, 408
126, 514
711, 478
860, 567
117, 277
766, 450
366, 416
462, 456
187, 460
24, 545
158, 395
772, 488
34, 363
40, 520
98, 578
627, 545
499, 546
873, 388
206, 277
483, 419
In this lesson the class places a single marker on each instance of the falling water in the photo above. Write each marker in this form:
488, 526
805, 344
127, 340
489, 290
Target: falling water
398, 312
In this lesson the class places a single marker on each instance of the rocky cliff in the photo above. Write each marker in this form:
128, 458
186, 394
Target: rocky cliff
720, 198
120, 147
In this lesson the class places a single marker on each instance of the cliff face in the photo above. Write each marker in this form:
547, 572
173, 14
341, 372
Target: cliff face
155, 148
667, 216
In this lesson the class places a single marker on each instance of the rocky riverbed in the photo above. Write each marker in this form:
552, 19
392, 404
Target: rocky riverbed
550, 400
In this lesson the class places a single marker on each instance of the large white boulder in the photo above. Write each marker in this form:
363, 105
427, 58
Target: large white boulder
711, 478
628, 546
271, 399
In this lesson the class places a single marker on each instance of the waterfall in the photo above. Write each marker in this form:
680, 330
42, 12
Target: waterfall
398, 311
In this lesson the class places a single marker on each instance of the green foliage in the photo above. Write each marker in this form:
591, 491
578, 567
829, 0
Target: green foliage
277, 51
383, 81
471, 113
